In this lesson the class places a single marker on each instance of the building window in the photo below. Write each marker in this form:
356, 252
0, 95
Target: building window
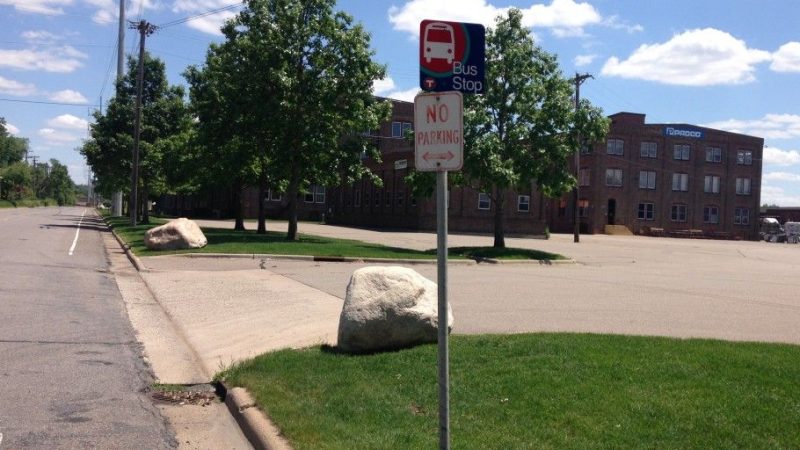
562, 208
407, 126
741, 216
400, 198
678, 213
397, 129
586, 149
711, 214
743, 186
484, 202
366, 199
711, 185
647, 179
357, 198
523, 203
646, 211
583, 207
274, 196
713, 154
315, 194
613, 177
744, 157
583, 177
649, 150
378, 195
680, 182
414, 202
682, 152
615, 146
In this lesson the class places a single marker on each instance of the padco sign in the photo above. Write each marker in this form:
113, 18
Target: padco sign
452, 56
438, 131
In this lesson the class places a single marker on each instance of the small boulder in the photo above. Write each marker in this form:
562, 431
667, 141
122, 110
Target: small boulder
176, 234
388, 308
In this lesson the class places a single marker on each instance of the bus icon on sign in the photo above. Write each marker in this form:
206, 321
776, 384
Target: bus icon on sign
439, 42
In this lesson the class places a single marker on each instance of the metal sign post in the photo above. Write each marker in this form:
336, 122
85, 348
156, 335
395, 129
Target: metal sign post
439, 147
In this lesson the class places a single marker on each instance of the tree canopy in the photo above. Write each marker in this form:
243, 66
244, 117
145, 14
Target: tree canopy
293, 83
524, 130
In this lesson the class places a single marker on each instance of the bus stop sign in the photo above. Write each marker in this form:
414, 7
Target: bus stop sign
452, 56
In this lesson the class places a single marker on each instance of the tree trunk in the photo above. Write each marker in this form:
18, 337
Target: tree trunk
499, 222
262, 210
144, 202
291, 234
238, 207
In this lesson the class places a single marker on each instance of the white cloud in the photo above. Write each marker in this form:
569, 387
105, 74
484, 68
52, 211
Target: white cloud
211, 23
68, 122
108, 10
387, 88
563, 17
54, 136
616, 23
16, 88
771, 126
700, 57
787, 58
782, 176
47, 7
584, 60
778, 157
40, 36
63, 59
68, 96
778, 196
12, 129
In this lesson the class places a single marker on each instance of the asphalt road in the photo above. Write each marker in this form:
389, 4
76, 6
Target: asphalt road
70, 368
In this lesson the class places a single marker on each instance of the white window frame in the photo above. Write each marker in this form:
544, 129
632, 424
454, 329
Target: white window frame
682, 152
274, 196
406, 127
484, 201
711, 184
741, 216
612, 179
583, 207
647, 179
710, 214
646, 211
714, 154
744, 157
675, 212
648, 149
524, 200
743, 186
397, 129
319, 194
615, 146
680, 182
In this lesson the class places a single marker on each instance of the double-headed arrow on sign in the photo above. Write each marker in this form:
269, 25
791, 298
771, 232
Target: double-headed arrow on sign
427, 156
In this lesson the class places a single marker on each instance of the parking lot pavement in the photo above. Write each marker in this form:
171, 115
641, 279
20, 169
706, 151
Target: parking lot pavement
620, 284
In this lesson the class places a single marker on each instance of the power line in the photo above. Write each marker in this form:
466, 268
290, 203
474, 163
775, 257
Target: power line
83, 105
197, 16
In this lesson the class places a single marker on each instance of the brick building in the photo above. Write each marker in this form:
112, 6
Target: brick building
668, 178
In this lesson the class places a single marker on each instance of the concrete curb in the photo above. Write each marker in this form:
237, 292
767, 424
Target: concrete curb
349, 259
137, 263
255, 425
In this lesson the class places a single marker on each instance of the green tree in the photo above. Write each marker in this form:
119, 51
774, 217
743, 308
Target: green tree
165, 119
17, 181
304, 76
59, 185
525, 128
12, 149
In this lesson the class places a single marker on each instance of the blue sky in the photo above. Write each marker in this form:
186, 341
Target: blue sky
732, 64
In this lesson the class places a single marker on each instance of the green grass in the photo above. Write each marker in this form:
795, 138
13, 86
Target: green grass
538, 391
249, 242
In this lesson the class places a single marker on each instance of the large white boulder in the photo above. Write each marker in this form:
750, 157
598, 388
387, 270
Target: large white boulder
389, 308
176, 234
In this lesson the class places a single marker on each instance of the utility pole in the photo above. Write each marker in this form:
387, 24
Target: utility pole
145, 29
116, 204
579, 79
35, 176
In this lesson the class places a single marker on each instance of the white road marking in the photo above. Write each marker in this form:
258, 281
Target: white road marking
77, 232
